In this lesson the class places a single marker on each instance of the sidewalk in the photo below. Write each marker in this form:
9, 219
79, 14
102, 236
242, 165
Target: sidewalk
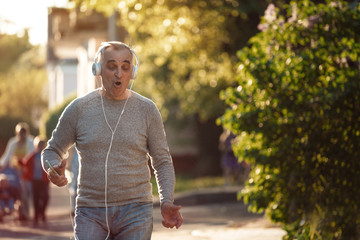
213, 214
208, 214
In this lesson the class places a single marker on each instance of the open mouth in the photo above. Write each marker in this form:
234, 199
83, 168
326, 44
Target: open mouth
117, 83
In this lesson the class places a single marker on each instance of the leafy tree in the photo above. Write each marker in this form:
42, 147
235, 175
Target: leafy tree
296, 112
22, 81
186, 47
22, 87
11, 49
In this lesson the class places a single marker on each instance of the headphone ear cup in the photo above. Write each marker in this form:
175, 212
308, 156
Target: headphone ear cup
96, 69
134, 72
135, 65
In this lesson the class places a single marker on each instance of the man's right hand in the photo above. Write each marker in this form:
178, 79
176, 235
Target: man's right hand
58, 178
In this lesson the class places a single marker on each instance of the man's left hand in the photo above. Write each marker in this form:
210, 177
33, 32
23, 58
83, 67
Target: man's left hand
171, 215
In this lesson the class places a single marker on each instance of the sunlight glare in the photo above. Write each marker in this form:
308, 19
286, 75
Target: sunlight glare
16, 15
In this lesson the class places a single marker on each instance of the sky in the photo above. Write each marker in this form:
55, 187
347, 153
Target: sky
31, 14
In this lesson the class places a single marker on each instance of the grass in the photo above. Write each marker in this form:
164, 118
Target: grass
185, 183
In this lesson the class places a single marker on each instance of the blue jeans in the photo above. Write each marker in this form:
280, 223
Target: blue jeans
127, 222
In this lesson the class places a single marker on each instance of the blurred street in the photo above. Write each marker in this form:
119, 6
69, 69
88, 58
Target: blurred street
219, 217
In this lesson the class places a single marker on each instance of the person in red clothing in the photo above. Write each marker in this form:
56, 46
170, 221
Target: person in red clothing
34, 172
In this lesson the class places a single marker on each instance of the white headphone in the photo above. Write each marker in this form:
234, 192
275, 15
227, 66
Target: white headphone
96, 67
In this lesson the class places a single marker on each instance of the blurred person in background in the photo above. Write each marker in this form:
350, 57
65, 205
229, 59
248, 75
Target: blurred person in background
229, 162
235, 172
17, 148
34, 172
7, 196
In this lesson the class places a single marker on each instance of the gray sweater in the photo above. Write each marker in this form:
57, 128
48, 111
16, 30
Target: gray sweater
140, 136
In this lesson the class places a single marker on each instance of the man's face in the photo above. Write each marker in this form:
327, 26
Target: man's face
116, 71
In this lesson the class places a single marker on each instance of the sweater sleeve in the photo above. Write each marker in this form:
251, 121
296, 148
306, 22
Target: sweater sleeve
63, 137
160, 158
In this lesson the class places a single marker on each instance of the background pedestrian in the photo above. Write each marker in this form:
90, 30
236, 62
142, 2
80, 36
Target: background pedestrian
17, 147
40, 183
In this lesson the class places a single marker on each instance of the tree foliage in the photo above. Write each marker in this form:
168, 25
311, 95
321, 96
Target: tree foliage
11, 49
22, 87
296, 111
187, 48
187, 51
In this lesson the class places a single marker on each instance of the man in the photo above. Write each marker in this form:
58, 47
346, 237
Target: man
116, 131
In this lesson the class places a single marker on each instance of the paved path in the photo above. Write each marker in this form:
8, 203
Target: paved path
222, 220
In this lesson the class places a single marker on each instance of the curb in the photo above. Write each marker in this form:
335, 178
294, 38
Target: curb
204, 196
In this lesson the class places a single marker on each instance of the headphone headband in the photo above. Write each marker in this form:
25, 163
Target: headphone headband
96, 67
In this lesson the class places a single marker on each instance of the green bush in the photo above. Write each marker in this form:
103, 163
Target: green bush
51, 118
296, 114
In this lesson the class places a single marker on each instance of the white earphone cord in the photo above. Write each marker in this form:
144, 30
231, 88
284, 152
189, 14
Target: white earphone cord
107, 156
108, 153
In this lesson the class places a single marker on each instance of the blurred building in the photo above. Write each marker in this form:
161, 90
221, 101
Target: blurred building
73, 38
